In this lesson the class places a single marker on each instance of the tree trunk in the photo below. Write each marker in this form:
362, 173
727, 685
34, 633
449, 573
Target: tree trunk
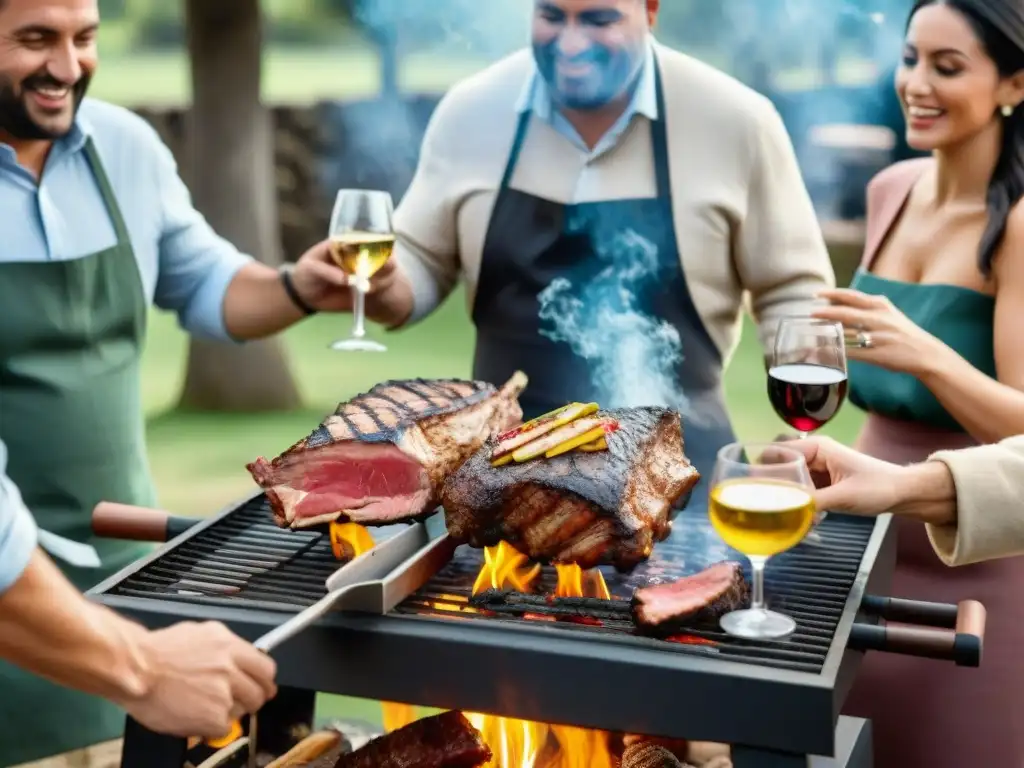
231, 172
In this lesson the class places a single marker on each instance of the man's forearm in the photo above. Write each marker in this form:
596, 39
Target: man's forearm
256, 304
49, 628
927, 492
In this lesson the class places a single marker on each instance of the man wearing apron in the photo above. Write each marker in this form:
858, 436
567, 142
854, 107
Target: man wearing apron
96, 225
48, 626
610, 204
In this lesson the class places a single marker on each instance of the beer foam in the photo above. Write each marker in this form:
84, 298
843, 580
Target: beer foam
762, 496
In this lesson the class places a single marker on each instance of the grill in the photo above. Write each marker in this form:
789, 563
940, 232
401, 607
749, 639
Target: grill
810, 583
433, 649
241, 559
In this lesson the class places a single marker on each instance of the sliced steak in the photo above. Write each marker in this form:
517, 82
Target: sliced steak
704, 596
605, 507
382, 457
447, 740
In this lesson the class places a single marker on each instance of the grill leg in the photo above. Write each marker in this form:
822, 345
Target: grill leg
145, 749
292, 708
853, 750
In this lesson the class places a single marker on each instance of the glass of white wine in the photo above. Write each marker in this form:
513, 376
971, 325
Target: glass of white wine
362, 239
761, 505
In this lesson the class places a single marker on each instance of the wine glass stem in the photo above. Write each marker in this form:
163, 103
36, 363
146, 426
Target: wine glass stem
358, 311
803, 435
757, 565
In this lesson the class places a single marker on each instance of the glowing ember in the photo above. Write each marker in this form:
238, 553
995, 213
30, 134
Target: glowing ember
503, 567
350, 538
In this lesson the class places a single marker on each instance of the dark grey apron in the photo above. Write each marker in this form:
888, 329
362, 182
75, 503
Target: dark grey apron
613, 269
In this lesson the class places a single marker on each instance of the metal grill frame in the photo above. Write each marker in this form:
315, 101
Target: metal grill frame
545, 674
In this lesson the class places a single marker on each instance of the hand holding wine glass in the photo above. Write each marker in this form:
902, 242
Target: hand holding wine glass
761, 504
362, 239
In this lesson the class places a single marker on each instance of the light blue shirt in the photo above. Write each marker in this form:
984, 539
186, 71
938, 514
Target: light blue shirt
536, 97
18, 535
185, 267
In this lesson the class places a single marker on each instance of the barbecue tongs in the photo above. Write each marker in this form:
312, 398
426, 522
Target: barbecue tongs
372, 583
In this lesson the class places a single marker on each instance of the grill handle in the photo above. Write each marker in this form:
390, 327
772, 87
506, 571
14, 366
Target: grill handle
111, 520
933, 639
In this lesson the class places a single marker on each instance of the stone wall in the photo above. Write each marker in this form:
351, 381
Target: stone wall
323, 148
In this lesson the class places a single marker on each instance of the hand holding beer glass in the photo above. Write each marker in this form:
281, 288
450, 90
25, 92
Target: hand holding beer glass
362, 239
761, 505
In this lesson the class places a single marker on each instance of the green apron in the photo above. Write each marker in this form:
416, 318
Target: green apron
71, 336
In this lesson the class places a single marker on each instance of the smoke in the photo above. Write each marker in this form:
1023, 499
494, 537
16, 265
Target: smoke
424, 46
824, 64
634, 358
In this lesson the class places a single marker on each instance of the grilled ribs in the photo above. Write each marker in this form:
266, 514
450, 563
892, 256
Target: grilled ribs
605, 507
382, 457
704, 596
447, 740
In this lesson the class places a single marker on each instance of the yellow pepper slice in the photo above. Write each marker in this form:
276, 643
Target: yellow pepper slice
601, 444
597, 433
536, 428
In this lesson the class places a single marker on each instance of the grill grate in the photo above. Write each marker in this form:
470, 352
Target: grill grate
811, 583
242, 560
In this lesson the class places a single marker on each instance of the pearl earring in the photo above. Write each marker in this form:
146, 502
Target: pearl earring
1007, 110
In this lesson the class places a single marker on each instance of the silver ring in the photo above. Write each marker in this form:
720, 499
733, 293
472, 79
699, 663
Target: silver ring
864, 340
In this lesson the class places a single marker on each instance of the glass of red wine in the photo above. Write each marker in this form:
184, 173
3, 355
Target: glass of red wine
807, 379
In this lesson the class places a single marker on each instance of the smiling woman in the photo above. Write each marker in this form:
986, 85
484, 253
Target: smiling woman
936, 310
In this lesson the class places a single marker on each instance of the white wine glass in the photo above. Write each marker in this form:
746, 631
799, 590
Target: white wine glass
761, 504
362, 239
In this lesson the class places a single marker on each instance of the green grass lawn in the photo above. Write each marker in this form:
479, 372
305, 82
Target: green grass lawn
199, 460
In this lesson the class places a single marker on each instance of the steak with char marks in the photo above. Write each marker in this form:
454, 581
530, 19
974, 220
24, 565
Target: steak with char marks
706, 596
382, 457
447, 740
604, 507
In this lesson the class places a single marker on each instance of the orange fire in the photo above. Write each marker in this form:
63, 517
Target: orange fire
523, 744
519, 743
353, 534
504, 566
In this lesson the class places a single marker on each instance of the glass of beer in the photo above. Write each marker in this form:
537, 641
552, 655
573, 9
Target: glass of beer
761, 505
362, 238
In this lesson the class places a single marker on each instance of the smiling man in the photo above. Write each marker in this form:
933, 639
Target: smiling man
609, 203
96, 225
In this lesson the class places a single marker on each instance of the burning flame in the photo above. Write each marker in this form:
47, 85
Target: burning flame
356, 536
520, 743
573, 581
504, 566
397, 715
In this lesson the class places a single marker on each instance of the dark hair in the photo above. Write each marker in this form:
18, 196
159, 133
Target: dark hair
999, 26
